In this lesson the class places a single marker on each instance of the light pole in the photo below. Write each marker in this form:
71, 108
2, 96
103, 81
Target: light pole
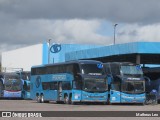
49, 42
115, 33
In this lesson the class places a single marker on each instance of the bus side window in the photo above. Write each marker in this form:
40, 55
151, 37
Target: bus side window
107, 69
77, 84
25, 86
115, 69
69, 69
66, 85
76, 69
53, 86
45, 85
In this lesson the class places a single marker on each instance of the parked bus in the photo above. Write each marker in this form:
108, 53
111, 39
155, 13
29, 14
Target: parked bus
152, 80
12, 86
25, 77
126, 82
69, 82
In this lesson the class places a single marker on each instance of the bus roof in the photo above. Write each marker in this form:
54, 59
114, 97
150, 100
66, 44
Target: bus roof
69, 62
3, 74
9, 73
120, 63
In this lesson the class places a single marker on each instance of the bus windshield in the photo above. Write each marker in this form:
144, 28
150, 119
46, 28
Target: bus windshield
92, 69
94, 85
131, 70
133, 87
12, 82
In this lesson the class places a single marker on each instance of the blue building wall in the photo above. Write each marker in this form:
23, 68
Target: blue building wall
45, 53
57, 52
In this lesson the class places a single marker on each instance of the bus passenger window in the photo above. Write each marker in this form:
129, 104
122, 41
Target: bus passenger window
45, 85
66, 86
115, 69
77, 85
53, 86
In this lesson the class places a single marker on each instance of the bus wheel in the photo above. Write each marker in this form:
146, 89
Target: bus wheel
42, 99
38, 99
66, 99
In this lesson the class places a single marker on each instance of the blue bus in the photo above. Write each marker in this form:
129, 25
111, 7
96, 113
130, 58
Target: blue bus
12, 86
69, 82
25, 78
126, 82
152, 76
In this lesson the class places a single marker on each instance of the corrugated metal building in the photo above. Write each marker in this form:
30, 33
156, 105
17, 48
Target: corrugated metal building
138, 52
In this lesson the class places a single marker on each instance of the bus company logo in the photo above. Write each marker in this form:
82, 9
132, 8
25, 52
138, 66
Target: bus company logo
55, 48
100, 66
38, 81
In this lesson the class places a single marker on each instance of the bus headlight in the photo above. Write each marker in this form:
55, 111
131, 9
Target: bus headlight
76, 96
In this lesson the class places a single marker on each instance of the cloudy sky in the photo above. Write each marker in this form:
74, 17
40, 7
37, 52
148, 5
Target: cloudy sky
28, 22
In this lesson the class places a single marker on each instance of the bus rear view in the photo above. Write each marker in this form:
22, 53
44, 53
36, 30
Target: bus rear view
127, 84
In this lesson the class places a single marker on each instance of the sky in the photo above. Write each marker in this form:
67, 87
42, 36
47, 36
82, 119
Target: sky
28, 22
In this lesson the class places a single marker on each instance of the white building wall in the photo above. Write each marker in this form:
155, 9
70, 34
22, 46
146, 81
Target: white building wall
23, 57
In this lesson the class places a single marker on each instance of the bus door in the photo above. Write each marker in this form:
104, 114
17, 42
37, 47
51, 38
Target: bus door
59, 91
26, 90
115, 94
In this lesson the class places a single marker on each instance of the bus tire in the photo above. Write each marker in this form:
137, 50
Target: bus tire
38, 99
42, 99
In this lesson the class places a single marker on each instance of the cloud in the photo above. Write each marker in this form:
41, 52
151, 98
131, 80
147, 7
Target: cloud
135, 32
135, 11
26, 22
27, 32
79, 31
